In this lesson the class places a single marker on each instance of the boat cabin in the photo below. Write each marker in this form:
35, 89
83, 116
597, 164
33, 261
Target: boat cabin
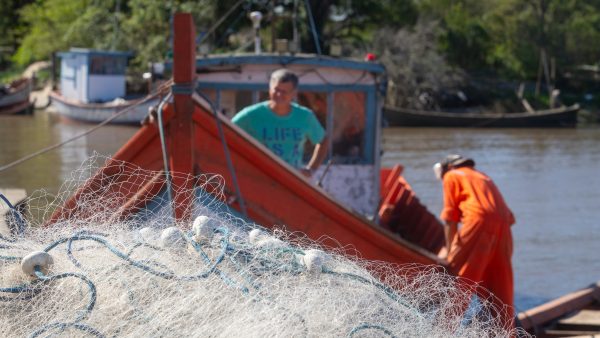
343, 94
91, 76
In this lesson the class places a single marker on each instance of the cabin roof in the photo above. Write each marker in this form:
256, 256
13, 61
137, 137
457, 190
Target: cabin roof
285, 60
93, 52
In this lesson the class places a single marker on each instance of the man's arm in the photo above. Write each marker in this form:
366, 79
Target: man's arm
450, 230
318, 156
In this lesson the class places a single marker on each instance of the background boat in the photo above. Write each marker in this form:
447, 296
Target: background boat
557, 117
93, 88
98, 112
574, 314
14, 97
341, 212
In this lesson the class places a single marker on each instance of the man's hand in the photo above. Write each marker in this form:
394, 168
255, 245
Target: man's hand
307, 172
443, 254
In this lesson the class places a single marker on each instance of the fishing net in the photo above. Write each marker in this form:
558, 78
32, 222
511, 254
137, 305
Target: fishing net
97, 273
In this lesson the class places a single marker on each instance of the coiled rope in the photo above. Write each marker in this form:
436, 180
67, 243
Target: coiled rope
29, 290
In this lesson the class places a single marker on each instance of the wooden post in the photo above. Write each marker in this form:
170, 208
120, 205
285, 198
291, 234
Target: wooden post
181, 127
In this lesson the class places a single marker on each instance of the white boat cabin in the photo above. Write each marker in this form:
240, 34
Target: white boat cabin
345, 96
90, 76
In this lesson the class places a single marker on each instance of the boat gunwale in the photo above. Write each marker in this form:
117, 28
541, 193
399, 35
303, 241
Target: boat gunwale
20, 91
485, 116
108, 105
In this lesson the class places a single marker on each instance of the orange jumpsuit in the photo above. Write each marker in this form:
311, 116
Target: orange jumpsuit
482, 248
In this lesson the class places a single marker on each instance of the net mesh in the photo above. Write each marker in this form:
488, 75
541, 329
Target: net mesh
143, 274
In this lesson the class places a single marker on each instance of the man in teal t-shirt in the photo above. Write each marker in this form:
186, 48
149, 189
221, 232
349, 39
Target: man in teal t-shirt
282, 125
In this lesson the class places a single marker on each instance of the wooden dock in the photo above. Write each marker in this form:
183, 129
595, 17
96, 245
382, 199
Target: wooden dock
16, 198
574, 315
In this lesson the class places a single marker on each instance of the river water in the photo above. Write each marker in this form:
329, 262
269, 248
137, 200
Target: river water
549, 177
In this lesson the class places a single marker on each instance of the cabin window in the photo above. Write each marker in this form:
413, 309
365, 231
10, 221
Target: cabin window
317, 102
107, 65
348, 135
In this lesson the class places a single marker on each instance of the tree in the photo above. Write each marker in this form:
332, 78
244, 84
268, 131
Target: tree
416, 69
12, 27
59, 24
566, 30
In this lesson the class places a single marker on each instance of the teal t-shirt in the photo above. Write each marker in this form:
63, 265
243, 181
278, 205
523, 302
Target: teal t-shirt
283, 135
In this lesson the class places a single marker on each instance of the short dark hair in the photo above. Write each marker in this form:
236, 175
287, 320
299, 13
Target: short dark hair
284, 75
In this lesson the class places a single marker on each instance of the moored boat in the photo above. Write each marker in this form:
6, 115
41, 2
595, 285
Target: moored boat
92, 88
557, 117
354, 208
98, 112
14, 97
574, 314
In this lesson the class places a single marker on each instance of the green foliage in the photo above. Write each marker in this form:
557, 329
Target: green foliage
49, 22
497, 37
465, 40
12, 27
9, 75
410, 56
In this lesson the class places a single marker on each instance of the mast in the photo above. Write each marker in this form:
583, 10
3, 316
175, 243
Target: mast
181, 127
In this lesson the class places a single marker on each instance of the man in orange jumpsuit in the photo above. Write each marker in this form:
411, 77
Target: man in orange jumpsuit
481, 250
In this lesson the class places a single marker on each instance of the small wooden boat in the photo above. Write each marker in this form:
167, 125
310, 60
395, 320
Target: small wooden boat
92, 88
575, 314
98, 112
357, 208
14, 97
558, 117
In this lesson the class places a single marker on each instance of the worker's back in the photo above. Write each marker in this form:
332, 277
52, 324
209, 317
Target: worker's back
472, 197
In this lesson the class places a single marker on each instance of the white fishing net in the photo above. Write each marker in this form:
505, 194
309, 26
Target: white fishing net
115, 274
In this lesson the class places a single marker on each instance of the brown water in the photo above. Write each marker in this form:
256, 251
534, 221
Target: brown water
549, 177
23, 135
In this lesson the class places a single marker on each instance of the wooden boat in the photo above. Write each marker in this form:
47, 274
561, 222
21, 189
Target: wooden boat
343, 213
575, 314
98, 112
14, 98
92, 88
558, 117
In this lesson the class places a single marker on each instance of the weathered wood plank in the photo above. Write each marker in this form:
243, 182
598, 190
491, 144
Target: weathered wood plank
545, 313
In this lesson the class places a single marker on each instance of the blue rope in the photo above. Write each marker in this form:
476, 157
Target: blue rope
10, 258
138, 264
366, 326
25, 291
42, 277
386, 289
64, 326
16, 215
221, 274
16, 289
26, 295
267, 264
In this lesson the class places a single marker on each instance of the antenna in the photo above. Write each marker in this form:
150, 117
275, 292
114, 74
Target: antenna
313, 28
256, 17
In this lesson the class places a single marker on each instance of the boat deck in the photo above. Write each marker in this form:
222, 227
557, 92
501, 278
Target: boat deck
574, 315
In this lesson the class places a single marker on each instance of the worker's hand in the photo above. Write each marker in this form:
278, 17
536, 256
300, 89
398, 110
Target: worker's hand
306, 172
443, 254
